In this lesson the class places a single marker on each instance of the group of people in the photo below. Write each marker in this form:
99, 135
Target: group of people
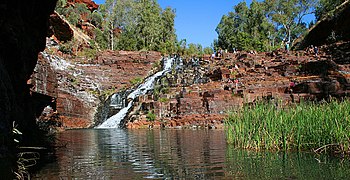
312, 50
218, 54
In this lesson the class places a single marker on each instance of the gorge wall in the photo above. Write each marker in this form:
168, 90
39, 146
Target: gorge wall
79, 89
23, 28
199, 93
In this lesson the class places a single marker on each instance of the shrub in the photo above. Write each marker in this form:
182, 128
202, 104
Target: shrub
150, 116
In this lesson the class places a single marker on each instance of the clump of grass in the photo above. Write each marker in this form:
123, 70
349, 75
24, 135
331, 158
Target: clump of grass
307, 126
151, 116
135, 81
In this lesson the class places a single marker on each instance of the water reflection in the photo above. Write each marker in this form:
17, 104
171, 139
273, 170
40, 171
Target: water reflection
176, 154
269, 165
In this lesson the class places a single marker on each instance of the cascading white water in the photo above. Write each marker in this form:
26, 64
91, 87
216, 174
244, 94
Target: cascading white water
114, 121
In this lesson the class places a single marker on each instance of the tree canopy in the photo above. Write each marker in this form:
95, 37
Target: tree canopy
326, 6
127, 24
144, 25
263, 25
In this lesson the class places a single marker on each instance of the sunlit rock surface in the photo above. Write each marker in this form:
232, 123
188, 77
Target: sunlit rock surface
81, 87
199, 91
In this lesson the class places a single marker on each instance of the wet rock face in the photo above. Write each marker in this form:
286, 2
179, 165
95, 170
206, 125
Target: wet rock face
80, 89
44, 79
23, 28
74, 111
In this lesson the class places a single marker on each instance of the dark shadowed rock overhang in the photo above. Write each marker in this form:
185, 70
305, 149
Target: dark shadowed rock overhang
333, 27
23, 28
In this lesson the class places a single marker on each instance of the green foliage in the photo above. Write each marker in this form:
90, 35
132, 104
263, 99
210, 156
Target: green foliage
151, 116
81, 8
96, 19
144, 25
101, 38
72, 13
208, 50
326, 6
163, 100
135, 81
245, 28
66, 47
156, 65
73, 18
304, 127
89, 53
106, 92
60, 6
263, 25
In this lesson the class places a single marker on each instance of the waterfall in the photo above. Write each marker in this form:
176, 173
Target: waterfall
114, 121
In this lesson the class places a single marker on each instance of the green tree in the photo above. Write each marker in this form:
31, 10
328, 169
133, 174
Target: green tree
101, 38
143, 25
108, 14
208, 50
168, 36
326, 6
148, 25
192, 50
96, 19
263, 24
288, 14
181, 46
60, 6
245, 28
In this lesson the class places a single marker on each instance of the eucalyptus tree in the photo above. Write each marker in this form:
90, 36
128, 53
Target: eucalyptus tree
259, 27
108, 10
168, 36
117, 15
232, 28
140, 25
149, 24
246, 28
287, 15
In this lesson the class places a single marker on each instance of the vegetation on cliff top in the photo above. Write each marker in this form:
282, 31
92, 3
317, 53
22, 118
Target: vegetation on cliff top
130, 25
326, 6
144, 25
264, 25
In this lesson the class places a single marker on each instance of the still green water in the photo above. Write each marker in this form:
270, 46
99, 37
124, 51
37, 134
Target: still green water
177, 154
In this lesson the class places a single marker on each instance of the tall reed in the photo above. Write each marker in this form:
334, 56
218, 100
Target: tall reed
307, 126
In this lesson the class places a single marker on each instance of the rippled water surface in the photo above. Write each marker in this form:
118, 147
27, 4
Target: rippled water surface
177, 154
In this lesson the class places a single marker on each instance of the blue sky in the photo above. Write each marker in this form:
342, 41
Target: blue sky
196, 20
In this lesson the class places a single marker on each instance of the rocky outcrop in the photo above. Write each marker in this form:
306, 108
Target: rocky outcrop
202, 91
23, 28
197, 93
89, 3
81, 88
60, 28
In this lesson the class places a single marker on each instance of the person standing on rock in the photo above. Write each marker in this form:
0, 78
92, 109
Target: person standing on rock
286, 46
316, 51
291, 88
236, 83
